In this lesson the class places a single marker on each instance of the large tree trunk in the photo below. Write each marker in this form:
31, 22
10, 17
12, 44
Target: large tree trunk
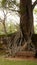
26, 21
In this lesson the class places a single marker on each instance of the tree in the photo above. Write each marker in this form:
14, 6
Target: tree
26, 20
8, 6
27, 17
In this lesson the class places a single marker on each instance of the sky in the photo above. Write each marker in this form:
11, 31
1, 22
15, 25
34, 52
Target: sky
33, 0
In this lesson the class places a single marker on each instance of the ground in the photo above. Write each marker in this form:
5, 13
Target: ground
17, 61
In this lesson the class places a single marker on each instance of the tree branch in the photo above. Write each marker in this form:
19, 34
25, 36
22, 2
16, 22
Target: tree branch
34, 4
13, 10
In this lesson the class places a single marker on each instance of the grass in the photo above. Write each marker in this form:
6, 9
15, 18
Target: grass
4, 61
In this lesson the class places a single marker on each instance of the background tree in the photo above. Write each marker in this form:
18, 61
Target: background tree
8, 6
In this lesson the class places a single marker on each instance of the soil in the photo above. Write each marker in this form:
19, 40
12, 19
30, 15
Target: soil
21, 59
22, 56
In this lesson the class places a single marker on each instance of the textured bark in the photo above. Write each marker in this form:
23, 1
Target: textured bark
26, 21
34, 4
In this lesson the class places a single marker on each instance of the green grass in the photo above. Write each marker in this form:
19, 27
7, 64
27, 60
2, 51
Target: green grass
11, 62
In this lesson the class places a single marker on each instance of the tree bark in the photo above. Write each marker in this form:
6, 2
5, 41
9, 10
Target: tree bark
26, 21
34, 4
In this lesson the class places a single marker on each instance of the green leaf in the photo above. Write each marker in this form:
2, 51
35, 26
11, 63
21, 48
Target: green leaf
3, 2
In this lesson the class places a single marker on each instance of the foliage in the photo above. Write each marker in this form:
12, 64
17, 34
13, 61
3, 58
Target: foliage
35, 29
3, 3
35, 10
10, 29
10, 3
10, 8
35, 20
